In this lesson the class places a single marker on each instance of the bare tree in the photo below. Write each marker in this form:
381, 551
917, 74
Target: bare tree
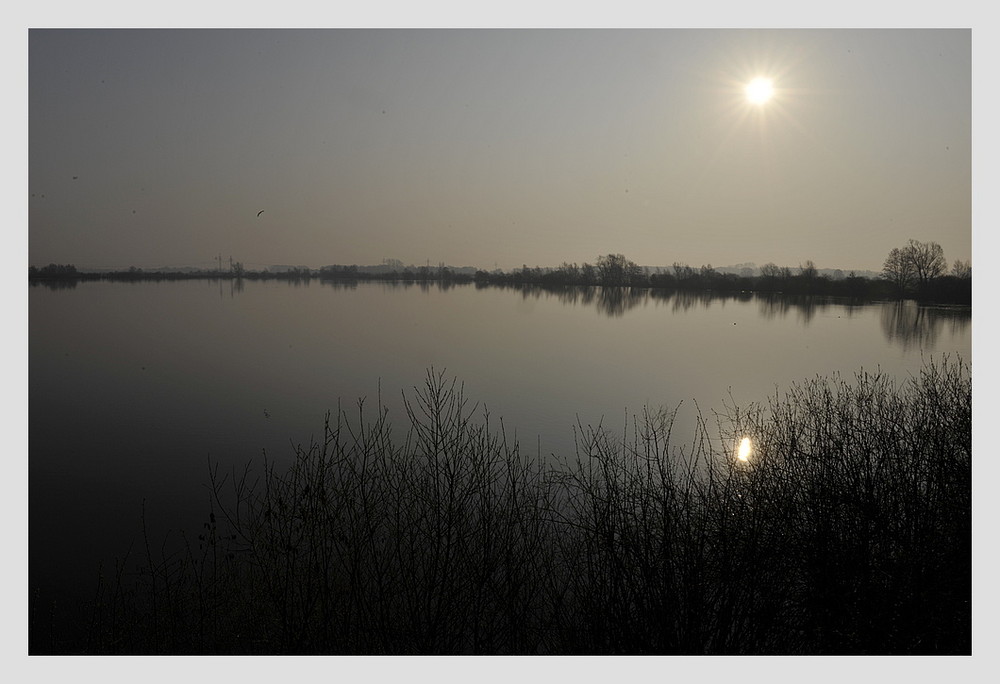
898, 270
770, 270
927, 261
683, 271
962, 269
615, 269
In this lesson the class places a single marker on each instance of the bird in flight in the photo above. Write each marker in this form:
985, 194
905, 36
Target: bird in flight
259, 213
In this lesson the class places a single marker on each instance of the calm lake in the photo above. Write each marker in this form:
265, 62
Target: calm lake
135, 387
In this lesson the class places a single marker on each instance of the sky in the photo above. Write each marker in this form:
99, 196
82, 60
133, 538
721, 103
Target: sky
496, 148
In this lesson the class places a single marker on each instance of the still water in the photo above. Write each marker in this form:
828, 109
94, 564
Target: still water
135, 387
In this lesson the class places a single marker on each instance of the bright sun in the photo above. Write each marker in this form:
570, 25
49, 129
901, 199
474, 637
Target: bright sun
744, 450
760, 90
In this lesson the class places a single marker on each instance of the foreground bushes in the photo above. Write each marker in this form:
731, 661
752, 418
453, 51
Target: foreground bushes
848, 530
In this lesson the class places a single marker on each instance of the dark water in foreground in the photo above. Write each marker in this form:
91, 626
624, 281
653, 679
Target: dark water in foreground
134, 387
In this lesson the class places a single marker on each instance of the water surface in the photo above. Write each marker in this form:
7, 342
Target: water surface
135, 387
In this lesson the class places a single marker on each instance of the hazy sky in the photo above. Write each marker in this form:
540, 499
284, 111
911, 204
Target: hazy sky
506, 147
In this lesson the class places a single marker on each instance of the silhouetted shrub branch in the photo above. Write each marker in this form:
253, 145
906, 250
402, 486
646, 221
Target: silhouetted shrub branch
847, 530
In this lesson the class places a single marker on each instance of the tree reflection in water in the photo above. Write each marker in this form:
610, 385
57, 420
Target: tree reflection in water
683, 300
905, 323
778, 305
910, 325
615, 301
55, 283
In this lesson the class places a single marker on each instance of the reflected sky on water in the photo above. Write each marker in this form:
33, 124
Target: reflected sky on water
134, 387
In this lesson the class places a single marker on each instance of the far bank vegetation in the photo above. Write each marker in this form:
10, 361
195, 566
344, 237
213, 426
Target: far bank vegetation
916, 271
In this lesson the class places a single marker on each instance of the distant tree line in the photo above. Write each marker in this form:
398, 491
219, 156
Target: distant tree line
917, 271
53, 271
616, 271
398, 273
68, 272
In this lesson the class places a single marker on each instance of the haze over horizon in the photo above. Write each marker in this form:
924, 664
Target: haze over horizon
496, 147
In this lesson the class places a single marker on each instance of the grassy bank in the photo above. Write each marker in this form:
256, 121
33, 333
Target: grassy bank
847, 530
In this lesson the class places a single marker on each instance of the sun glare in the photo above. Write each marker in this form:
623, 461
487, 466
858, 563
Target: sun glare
743, 453
760, 90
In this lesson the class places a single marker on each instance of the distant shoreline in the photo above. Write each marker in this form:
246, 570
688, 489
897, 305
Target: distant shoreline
947, 289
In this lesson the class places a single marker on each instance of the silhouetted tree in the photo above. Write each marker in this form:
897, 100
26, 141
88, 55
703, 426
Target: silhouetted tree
898, 271
54, 271
770, 270
927, 260
571, 271
918, 264
769, 274
615, 269
962, 269
684, 274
